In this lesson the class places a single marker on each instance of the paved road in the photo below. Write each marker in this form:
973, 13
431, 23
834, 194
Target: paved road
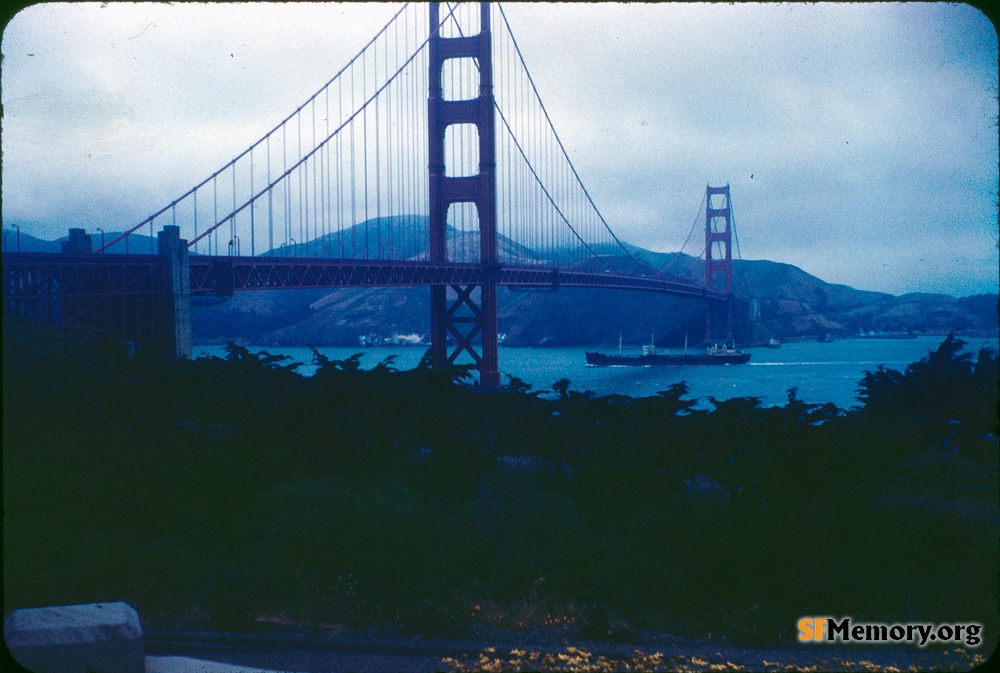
333, 662
233, 653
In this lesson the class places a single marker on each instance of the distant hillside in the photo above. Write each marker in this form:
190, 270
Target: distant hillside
137, 243
793, 303
14, 242
380, 238
775, 300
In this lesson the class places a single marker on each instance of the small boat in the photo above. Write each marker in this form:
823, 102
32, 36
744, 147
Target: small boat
773, 343
713, 355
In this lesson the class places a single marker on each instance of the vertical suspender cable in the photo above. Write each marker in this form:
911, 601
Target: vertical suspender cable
410, 118
270, 201
340, 169
315, 234
253, 207
196, 218
354, 208
299, 173
389, 147
378, 160
364, 140
321, 209
232, 220
286, 203
328, 227
401, 200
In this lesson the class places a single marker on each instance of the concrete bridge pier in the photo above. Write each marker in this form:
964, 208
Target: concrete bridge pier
177, 306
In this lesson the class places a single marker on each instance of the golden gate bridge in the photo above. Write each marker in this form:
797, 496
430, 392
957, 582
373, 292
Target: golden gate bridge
429, 159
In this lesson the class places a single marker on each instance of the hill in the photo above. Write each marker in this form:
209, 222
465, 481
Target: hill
793, 303
137, 243
775, 300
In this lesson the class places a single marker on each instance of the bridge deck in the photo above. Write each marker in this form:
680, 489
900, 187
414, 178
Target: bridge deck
100, 274
223, 275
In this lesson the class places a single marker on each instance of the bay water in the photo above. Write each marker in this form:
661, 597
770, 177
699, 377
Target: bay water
821, 372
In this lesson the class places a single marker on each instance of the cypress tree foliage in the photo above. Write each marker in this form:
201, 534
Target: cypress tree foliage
227, 489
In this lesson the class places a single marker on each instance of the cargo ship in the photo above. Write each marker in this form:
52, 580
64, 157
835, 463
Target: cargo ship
713, 355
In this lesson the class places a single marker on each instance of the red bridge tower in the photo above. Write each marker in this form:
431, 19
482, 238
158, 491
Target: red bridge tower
718, 252
461, 316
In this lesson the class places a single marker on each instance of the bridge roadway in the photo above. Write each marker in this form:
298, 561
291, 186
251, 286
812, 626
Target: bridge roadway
222, 275
102, 274
144, 299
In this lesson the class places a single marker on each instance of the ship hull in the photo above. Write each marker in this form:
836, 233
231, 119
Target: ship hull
665, 360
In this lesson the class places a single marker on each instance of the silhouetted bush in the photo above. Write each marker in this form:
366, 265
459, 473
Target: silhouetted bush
233, 488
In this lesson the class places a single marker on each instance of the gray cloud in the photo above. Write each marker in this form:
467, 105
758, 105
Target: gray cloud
869, 130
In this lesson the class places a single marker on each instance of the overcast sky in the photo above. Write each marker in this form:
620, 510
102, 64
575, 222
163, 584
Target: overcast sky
859, 140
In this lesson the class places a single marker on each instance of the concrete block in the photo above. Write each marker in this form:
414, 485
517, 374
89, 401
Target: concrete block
78, 243
98, 637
